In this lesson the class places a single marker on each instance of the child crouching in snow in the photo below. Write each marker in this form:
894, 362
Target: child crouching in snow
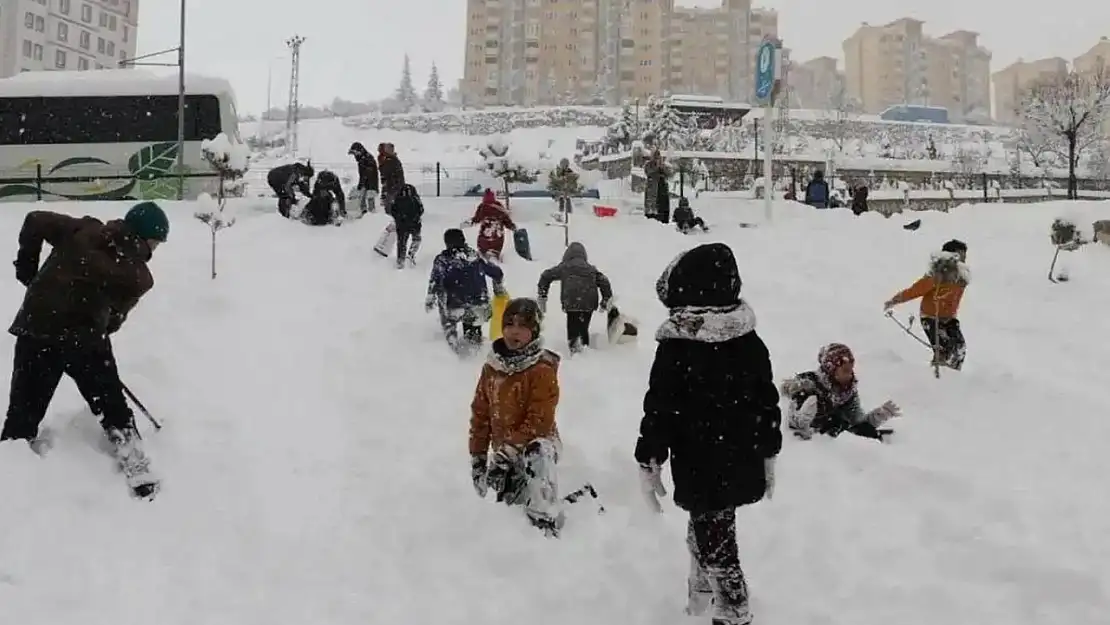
827, 401
941, 291
514, 443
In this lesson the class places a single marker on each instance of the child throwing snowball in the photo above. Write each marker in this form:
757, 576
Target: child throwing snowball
514, 443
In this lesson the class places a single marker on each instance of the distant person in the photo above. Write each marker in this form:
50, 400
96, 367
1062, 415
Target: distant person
817, 191
859, 200
392, 173
408, 217
286, 180
367, 177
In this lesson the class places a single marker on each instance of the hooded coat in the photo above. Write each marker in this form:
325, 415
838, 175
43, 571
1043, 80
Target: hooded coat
580, 281
711, 407
367, 167
458, 278
492, 220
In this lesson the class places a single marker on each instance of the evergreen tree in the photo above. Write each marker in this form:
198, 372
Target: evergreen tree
406, 93
433, 95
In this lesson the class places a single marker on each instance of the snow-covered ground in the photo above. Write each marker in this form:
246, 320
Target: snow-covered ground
314, 451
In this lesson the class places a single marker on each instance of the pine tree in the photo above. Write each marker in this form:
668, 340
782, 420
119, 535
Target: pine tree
433, 95
664, 125
406, 93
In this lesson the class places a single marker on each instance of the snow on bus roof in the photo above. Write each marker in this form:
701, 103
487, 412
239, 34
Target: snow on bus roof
107, 82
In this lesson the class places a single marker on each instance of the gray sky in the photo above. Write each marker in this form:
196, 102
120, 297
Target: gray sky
354, 48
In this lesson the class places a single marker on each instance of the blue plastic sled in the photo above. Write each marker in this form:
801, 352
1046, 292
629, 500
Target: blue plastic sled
521, 243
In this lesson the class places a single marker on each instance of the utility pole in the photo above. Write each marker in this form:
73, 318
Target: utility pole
292, 113
180, 65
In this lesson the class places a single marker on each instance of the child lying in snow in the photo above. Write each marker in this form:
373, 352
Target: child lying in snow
827, 401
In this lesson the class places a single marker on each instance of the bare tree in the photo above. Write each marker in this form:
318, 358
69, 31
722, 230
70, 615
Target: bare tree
840, 117
1042, 147
1071, 108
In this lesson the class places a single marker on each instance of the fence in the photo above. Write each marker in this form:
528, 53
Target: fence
147, 184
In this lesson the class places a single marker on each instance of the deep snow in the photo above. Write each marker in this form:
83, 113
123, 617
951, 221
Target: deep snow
315, 465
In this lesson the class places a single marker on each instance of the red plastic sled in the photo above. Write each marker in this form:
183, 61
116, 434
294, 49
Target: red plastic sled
605, 211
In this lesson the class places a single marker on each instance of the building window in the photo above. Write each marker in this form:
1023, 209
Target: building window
82, 63
37, 55
63, 31
60, 59
103, 19
40, 24
100, 45
64, 6
86, 13
85, 39
126, 32
29, 21
111, 48
111, 22
26, 48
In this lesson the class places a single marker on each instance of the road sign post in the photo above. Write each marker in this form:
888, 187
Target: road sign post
768, 75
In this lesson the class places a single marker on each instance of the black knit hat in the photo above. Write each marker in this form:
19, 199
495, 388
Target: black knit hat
955, 246
454, 238
527, 310
704, 276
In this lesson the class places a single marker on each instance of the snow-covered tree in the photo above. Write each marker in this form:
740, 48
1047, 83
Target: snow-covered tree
433, 94
663, 125
624, 131
231, 161
1071, 108
968, 161
1098, 161
508, 169
563, 180
839, 122
406, 93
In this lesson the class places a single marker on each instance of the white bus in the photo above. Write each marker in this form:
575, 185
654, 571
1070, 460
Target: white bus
107, 134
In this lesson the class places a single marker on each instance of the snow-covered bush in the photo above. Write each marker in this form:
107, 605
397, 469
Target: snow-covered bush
1066, 235
508, 169
212, 214
230, 160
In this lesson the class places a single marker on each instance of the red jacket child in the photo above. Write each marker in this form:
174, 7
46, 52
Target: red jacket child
492, 219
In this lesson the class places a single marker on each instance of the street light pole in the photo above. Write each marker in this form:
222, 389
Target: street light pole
181, 107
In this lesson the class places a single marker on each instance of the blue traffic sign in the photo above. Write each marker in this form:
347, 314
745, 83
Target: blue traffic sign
765, 71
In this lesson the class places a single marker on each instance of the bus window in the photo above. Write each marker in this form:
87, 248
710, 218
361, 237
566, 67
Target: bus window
111, 119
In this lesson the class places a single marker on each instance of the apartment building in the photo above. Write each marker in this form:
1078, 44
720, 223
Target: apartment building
818, 84
1012, 83
608, 51
897, 63
38, 35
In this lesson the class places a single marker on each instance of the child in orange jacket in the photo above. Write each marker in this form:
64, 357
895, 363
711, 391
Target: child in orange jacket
941, 291
514, 443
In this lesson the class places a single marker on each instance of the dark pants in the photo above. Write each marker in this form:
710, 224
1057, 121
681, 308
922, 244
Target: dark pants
286, 199
528, 479
947, 336
578, 329
38, 367
408, 244
715, 573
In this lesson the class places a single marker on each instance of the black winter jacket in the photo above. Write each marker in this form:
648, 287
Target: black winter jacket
712, 406
367, 170
286, 179
408, 210
580, 281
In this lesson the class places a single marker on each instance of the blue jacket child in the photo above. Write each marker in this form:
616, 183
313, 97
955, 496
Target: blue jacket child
457, 286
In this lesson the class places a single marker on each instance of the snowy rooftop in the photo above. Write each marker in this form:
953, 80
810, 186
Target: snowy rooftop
108, 82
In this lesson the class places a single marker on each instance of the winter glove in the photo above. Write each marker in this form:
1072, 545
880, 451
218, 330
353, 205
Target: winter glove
801, 418
499, 289
603, 306
504, 459
769, 477
429, 303
651, 484
542, 302
478, 474
884, 413
26, 267
887, 305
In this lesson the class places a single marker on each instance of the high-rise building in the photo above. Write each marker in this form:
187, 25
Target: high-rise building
608, 51
66, 34
819, 84
897, 63
1012, 83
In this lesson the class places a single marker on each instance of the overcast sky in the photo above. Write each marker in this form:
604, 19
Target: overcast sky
354, 48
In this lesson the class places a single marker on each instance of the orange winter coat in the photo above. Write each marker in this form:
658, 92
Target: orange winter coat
514, 408
940, 300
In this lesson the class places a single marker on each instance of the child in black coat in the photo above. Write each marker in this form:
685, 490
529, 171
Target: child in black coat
712, 409
685, 220
408, 217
